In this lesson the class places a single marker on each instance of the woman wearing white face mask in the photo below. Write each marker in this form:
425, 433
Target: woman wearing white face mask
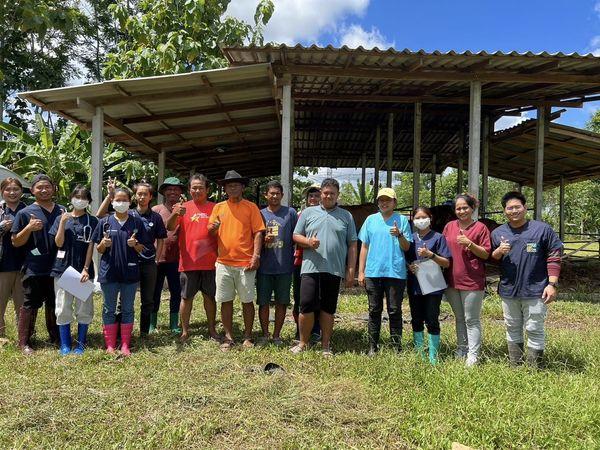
425, 309
118, 237
72, 233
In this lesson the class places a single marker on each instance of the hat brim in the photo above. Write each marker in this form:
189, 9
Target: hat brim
242, 180
163, 186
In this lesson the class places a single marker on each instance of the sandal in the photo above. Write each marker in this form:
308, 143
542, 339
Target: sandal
227, 345
277, 342
327, 353
298, 349
248, 343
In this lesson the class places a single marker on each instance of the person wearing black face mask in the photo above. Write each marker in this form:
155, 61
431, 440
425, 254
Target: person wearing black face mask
425, 309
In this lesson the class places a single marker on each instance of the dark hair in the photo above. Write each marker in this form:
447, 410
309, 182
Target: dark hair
125, 190
198, 177
82, 191
8, 181
330, 182
513, 195
145, 184
424, 209
274, 184
468, 198
41, 177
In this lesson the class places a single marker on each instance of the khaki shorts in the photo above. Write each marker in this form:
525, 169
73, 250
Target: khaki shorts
231, 280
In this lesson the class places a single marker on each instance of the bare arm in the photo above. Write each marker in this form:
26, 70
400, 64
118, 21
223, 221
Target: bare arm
103, 210
255, 260
362, 263
159, 248
404, 243
20, 239
351, 263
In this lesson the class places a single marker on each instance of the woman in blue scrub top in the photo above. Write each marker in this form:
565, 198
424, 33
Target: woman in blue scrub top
117, 237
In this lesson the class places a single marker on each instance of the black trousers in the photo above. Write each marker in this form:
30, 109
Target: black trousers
425, 309
170, 271
393, 290
147, 287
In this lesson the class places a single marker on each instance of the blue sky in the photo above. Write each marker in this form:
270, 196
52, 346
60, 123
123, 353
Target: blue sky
526, 25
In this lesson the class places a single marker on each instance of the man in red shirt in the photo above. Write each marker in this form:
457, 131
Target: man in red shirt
197, 254
168, 259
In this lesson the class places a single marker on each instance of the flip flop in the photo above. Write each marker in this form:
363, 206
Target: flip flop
248, 343
327, 353
227, 345
297, 349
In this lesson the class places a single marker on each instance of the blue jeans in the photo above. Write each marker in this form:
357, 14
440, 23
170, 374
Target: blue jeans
111, 293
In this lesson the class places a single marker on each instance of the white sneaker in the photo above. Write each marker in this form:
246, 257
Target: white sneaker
471, 361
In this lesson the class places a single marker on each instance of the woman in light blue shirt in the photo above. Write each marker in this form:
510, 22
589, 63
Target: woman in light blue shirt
385, 236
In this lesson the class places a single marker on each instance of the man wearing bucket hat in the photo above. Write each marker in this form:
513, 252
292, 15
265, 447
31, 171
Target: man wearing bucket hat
168, 260
385, 236
239, 227
30, 231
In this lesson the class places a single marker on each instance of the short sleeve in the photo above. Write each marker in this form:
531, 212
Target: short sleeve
19, 223
97, 234
142, 234
351, 229
161, 231
54, 227
363, 234
293, 218
405, 228
494, 239
301, 225
483, 238
442, 247
256, 218
214, 215
553, 240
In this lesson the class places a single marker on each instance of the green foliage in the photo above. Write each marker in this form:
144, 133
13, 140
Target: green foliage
176, 36
350, 193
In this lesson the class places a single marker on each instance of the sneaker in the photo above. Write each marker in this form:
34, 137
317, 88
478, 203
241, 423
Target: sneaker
471, 361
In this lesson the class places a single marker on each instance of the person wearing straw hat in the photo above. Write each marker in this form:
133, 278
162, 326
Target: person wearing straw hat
168, 260
385, 236
239, 228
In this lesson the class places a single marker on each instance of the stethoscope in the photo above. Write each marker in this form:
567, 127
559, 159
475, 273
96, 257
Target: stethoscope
86, 235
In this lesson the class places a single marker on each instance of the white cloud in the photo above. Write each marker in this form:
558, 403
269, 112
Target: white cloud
594, 45
300, 20
509, 121
597, 8
355, 36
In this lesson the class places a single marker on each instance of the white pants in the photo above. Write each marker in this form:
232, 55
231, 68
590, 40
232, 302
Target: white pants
466, 306
231, 280
10, 286
84, 310
528, 314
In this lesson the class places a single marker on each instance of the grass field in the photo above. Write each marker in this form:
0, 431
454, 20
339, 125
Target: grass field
168, 396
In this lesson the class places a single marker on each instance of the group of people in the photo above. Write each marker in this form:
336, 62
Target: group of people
232, 249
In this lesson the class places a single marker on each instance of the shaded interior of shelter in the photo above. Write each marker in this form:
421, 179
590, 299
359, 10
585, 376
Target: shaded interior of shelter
213, 121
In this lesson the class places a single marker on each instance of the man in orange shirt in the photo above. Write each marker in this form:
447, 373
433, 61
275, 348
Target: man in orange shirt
239, 228
197, 254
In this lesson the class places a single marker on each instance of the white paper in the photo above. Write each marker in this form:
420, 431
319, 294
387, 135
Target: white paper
430, 277
70, 281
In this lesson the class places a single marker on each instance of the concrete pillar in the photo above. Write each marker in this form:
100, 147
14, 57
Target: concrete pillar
541, 131
418, 113
390, 149
286, 141
97, 161
474, 139
485, 165
460, 183
377, 162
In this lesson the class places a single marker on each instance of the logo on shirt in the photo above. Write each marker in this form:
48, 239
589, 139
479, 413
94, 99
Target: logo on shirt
196, 217
532, 247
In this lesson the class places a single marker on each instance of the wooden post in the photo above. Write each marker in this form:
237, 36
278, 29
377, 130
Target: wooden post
390, 149
485, 165
377, 163
161, 174
561, 209
363, 178
541, 130
474, 139
460, 184
97, 161
286, 140
417, 152
433, 178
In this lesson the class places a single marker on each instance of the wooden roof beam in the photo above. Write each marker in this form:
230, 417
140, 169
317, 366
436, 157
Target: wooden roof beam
550, 65
220, 139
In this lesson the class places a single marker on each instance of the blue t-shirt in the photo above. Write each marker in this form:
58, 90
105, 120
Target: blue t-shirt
335, 229
78, 236
40, 249
155, 229
12, 257
434, 241
385, 258
277, 257
119, 263
524, 271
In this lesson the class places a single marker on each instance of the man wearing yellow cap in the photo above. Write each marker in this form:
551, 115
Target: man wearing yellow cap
385, 236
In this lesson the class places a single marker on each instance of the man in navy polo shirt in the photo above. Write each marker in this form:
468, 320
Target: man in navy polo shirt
529, 253
30, 231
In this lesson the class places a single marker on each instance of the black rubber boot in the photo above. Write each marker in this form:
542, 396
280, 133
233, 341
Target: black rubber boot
515, 354
26, 323
51, 326
374, 330
534, 357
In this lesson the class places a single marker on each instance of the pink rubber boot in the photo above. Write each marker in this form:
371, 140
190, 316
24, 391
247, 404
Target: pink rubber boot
126, 329
110, 337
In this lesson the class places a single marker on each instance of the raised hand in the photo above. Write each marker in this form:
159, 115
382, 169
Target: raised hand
314, 242
395, 231
34, 224
132, 241
463, 240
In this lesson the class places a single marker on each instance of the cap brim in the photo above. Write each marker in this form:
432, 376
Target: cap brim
166, 185
233, 180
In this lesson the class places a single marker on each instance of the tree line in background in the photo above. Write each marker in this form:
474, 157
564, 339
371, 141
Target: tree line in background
49, 43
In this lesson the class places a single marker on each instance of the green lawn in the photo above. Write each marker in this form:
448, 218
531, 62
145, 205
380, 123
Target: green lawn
168, 396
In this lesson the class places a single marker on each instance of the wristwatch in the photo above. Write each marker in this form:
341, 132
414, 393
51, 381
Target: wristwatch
554, 284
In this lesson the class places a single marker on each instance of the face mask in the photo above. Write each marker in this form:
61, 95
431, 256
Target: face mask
422, 224
79, 203
120, 207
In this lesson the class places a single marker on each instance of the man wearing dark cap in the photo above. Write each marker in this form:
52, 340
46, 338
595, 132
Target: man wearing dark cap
239, 227
168, 259
30, 231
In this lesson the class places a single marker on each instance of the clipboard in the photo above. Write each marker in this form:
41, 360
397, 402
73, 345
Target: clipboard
430, 277
70, 281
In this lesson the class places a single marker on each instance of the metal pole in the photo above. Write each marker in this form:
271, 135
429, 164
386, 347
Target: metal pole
286, 140
485, 165
97, 166
474, 138
418, 115
541, 130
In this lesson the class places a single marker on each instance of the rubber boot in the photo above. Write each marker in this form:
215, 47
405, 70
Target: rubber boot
515, 353
34, 314
153, 322
82, 330
534, 357
110, 336
374, 330
65, 339
126, 329
174, 323
434, 348
24, 328
419, 343
51, 326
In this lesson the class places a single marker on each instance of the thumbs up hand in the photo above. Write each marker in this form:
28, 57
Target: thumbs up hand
463, 240
395, 231
132, 241
313, 242
34, 224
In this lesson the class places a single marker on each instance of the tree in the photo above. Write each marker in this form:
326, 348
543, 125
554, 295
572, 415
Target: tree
176, 36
